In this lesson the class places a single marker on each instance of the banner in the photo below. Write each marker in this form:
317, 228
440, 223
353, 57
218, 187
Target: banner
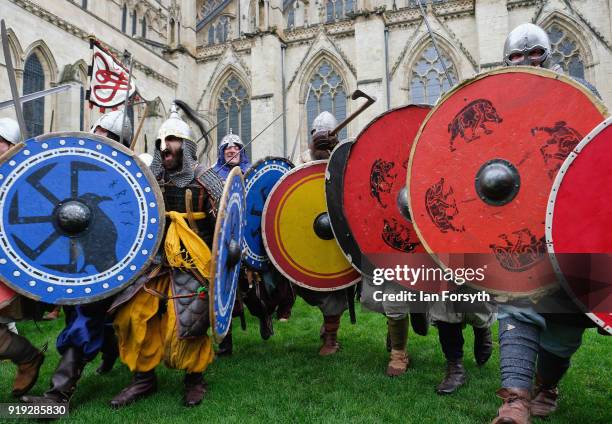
108, 83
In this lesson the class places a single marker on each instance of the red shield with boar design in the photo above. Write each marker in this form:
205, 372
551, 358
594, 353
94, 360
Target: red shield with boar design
482, 167
373, 179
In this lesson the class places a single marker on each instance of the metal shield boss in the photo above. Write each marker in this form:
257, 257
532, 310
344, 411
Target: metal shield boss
373, 200
578, 225
481, 170
259, 180
298, 235
226, 254
81, 218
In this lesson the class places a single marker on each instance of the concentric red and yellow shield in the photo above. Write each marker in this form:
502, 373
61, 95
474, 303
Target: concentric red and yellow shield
578, 225
482, 167
297, 233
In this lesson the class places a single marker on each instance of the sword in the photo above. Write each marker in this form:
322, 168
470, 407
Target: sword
126, 55
33, 96
10, 70
435, 45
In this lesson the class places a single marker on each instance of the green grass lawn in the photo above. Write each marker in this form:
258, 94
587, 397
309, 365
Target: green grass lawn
284, 380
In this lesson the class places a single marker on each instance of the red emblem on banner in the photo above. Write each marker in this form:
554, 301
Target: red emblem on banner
578, 225
109, 79
482, 167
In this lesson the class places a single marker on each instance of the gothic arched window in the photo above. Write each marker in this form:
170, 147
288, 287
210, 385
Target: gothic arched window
211, 35
337, 9
143, 31
34, 110
291, 17
172, 31
428, 80
124, 19
234, 106
134, 20
326, 93
218, 32
566, 51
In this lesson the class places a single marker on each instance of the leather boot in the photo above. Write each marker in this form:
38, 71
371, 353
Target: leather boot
551, 369
483, 345
143, 384
330, 336
544, 401
398, 339
398, 363
63, 380
226, 346
27, 374
195, 389
28, 359
515, 409
455, 378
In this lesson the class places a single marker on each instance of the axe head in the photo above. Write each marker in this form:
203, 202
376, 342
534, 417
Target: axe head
358, 93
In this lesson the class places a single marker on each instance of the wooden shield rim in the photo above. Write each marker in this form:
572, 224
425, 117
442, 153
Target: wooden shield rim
545, 73
364, 259
336, 223
215, 252
251, 169
246, 176
265, 238
550, 210
151, 180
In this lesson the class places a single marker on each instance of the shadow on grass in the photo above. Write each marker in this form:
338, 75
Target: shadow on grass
284, 380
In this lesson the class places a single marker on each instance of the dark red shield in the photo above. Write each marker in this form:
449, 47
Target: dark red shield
372, 203
482, 167
578, 225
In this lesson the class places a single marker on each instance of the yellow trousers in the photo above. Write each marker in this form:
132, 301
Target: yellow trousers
145, 337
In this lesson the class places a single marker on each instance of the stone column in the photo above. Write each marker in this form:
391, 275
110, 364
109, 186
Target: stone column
266, 96
492, 29
67, 116
370, 63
